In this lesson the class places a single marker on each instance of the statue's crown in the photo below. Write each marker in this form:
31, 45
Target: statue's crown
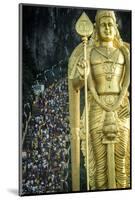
104, 13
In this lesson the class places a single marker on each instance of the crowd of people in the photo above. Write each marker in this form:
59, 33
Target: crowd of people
45, 159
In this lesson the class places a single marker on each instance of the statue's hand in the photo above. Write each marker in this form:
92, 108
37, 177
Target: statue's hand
108, 109
81, 66
116, 105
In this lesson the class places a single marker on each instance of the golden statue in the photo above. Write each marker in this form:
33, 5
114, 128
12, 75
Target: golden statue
101, 63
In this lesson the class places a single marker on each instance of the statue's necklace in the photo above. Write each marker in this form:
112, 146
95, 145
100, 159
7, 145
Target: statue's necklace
107, 54
109, 65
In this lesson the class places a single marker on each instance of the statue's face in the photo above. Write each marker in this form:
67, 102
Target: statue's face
107, 29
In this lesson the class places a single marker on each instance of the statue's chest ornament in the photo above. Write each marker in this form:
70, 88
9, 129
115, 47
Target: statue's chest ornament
109, 60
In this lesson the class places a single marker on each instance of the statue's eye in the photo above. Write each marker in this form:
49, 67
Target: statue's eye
110, 24
102, 24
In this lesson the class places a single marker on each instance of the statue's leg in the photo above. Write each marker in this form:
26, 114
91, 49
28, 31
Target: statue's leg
121, 151
100, 161
99, 149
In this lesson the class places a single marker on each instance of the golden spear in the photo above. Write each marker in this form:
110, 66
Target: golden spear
84, 28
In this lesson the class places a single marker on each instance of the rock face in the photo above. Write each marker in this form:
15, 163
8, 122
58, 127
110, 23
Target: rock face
49, 38
49, 32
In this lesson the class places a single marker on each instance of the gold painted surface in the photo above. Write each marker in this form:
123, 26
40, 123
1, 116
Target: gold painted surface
102, 65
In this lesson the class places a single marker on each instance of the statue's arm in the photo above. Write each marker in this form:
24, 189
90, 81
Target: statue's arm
126, 80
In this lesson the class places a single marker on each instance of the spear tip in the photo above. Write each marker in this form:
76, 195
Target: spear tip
84, 26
